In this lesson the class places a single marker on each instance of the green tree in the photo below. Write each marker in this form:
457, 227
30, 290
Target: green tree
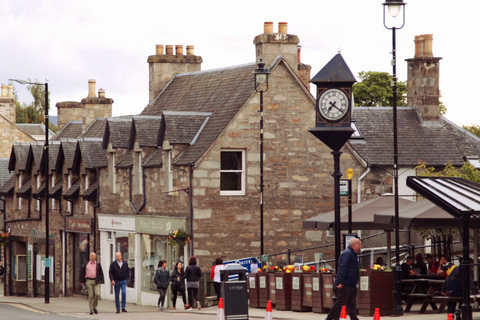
375, 90
473, 128
35, 111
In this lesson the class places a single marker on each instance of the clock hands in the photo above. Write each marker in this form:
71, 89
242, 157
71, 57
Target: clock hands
333, 105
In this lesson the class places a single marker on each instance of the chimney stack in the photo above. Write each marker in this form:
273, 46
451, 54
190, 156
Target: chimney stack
7, 103
91, 88
163, 67
423, 83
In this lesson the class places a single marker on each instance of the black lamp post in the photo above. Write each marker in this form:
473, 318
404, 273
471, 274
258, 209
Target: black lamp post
395, 7
261, 76
45, 172
350, 176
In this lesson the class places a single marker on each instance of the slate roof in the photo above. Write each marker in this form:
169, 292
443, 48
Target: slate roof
126, 160
69, 148
37, 152
146, 130
184, 127
118, 132
7, 187
223, 92
435, 142
71, 130
7, 179
154, 160
19, 156
91, 192
92, 153
72, 193
95, 130
25, 188
33, 129
56, 190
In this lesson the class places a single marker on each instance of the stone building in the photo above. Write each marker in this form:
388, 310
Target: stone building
191, 161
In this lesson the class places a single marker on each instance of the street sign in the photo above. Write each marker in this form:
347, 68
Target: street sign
343, 187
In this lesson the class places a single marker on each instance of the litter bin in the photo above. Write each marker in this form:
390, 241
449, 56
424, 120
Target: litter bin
234, 292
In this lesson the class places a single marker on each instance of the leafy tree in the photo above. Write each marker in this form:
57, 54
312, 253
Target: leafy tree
35, 111
375, 90
473, 128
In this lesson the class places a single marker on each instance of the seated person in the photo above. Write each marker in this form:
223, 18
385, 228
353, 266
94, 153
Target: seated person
433, 265
446, 267
379, 262
453, 285
420, 267
407, 270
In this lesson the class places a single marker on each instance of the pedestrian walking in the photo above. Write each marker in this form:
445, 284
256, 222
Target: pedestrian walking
178, 285
193, 273
215, 276
346, 281
119, 274
91, 274
162, 280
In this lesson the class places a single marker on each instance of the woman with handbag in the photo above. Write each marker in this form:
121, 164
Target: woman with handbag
178, 284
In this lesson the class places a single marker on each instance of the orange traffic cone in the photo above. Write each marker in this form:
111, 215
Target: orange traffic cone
376, 315
220, 310
269, 315
450, 316
343, 314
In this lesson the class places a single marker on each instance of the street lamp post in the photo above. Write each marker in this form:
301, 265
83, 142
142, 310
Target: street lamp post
394, 8
45, 172
261, 76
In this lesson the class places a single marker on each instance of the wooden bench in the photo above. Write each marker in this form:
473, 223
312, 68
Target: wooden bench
424, 297
444, 300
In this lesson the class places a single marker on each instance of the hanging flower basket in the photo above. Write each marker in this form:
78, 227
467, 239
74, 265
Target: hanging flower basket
3, 239
178, 236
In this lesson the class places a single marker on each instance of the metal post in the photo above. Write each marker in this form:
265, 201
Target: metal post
466, 306
336, 176
350, 206
47, 198
261, 173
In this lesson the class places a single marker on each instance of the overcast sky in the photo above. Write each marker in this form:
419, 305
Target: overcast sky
69, 42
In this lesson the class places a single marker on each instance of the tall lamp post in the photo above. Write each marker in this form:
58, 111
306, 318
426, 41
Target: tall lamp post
350, 176
261, 76
395, 7
45, 172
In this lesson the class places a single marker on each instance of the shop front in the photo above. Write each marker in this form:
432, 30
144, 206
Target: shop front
143, 242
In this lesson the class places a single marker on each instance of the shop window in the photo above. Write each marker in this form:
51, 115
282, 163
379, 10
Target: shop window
125, 244
20, 267
232, 172
154, 249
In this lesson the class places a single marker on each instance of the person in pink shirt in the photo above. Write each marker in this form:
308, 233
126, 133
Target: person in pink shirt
91, 274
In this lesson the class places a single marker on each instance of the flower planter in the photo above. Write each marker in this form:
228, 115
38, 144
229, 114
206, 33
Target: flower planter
328, 281
375, 291
253, 290
317, 293
299, 295
271, 285
283, 291
263, 290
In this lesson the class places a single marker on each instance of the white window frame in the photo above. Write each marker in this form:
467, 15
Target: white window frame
19, 186
87, 184
52, 184
38, 186
240, 192
69, 185
114, 173
138, 172
169, 171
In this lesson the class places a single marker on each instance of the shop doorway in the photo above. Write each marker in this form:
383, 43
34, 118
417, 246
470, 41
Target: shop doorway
81, 254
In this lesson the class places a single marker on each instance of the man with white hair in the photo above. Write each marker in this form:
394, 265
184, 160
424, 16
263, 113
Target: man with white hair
346, 281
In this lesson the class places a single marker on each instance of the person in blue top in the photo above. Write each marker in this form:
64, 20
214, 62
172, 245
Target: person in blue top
346, 281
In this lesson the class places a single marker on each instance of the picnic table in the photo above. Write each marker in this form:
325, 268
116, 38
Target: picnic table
423, 288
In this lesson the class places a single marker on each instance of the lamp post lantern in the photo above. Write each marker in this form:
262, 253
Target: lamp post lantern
261, 76
45, 172
395, 7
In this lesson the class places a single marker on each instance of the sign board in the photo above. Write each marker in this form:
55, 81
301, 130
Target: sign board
343, 187
29, 261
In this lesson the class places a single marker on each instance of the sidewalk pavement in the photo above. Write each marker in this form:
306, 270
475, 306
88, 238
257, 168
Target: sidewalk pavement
78, 305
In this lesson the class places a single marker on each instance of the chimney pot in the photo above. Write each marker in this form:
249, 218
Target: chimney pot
4, 91
268, 27
169, 49
190, 50
101, 93
159, 49
91, 88
179, 49
283, 27
10, 90
428, 51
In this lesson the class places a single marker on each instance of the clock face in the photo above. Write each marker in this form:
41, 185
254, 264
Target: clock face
333, 104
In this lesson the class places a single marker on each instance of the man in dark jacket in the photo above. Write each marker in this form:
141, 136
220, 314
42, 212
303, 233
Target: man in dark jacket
91, 274
346, 281
119, 274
